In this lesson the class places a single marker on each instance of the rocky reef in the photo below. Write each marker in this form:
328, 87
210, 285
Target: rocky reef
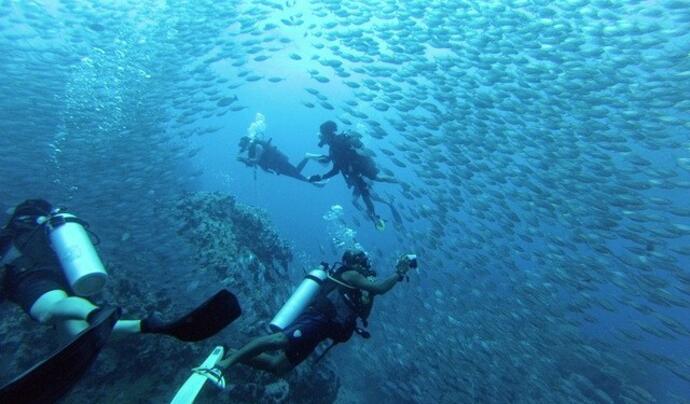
237, 242
227, 234
234, 246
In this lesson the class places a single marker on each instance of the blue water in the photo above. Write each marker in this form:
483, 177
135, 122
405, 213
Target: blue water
546, 153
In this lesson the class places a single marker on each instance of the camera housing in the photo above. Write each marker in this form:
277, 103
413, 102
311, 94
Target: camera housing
413, 260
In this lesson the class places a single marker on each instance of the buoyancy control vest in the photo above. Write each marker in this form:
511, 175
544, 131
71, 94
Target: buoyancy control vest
50, 237
267, 149
24, 232
353, 158
344, 304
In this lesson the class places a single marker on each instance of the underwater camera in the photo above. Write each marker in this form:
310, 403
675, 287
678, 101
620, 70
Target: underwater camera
413, 260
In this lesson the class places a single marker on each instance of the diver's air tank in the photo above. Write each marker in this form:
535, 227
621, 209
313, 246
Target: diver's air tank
80, 262
299, 300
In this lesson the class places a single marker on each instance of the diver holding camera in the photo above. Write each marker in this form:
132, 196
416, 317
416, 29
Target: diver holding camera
411, 261
327, 305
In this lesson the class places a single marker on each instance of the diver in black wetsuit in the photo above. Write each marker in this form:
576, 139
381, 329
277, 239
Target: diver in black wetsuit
34, 278
46, 259
263, 154
349, 157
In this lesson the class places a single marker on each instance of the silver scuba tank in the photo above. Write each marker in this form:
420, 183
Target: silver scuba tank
80, 262
299, 300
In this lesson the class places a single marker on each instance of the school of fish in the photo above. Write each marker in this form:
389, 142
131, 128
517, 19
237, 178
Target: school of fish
544, 147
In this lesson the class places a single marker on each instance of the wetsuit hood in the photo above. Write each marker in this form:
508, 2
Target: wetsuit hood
325, 139
327, 130
244, 143
26, 213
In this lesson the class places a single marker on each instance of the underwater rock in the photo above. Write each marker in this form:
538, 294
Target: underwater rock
238, 242
225, 232
278, 391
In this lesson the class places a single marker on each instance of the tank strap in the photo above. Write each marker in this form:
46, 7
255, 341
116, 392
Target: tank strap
314, 278
56, 221
341, 283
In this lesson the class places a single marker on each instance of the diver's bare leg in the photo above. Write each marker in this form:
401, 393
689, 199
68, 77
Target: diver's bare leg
254, 348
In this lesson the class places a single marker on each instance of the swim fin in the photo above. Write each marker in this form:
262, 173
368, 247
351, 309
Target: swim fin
204, 321
55, 376
206, 372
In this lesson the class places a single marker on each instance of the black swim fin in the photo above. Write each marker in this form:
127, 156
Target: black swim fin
52, 378
204, 321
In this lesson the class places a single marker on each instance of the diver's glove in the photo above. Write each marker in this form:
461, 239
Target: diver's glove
315, 178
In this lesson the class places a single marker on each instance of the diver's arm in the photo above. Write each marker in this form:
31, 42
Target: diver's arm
376, 286
253, 160
335, 170
316, 178
247, 161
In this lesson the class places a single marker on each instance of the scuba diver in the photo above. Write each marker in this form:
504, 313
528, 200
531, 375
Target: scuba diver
49, 268
352, 160
325, 306
263, 154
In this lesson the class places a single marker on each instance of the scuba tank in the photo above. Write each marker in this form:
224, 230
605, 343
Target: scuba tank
80, 262
300, 299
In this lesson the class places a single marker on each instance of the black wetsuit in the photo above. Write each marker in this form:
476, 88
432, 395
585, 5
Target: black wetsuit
344, 153
273, 160
36, 271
